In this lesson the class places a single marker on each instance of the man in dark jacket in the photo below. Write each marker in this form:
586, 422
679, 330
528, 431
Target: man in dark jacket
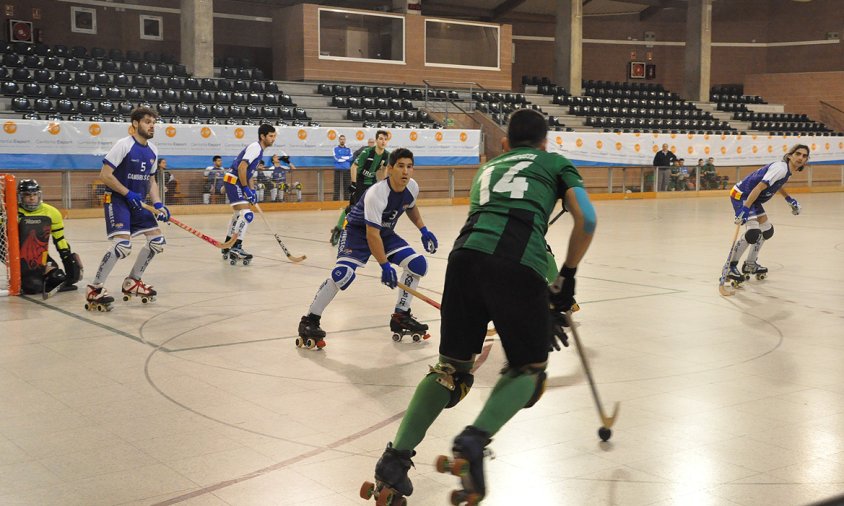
663, 160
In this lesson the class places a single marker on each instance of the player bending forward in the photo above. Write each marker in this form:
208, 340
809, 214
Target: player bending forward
747, 197
496, 272
128, 171
370, 232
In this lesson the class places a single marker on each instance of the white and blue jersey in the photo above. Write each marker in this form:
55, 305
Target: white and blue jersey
381, 208
775, 175
251, 154
133, 165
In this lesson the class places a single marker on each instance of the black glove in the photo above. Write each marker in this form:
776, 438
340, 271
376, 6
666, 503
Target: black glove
72, 265
561, 292
558, 332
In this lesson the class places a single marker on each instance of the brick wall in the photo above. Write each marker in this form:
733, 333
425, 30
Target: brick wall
798, 92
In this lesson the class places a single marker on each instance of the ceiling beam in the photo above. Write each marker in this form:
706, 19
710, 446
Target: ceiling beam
505, 7
656, 6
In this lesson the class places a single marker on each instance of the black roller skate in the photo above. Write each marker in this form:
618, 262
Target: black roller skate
225, 251
136, 288
310, 334
403, 324
98, 299
335, 236
736, 278
752, 268
391, 481
469, 451
237, 254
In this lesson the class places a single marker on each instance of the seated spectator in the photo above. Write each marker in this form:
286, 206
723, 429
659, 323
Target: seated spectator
214, 179
709, 179
262, 180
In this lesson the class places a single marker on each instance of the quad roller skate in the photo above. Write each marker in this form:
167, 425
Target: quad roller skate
468, 464
98, 299
335, 236
310, 334
136, 288
237, 254
391, 481
752, 268
225, 251
403, 324
736, 278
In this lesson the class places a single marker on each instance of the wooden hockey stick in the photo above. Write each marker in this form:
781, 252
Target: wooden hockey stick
188, 228
419, 295
722, 288
606, 421
290, 257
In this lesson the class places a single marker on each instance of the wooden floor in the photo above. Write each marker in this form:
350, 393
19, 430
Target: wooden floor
201, 398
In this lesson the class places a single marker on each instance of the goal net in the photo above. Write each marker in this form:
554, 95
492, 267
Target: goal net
10, 273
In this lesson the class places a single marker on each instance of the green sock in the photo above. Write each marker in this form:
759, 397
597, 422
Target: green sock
426, 405
341, 220
507, 398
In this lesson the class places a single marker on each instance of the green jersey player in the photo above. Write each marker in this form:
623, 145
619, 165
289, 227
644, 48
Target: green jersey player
496, 272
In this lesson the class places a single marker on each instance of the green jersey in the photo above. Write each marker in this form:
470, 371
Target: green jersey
511, 200
368, 162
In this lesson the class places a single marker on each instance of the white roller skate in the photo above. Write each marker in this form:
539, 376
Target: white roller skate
752, 268
237, 254
98, 299
136, 288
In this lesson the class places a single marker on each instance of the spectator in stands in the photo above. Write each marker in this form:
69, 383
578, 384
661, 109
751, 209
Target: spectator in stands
342, 163
680, 175
170, 183
214, 175
663, 160
709, 176
262, 180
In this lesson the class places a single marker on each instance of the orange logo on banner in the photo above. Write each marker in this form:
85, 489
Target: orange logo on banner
95, 129
673, 136
738, 150
691, 136
814, 147
9, 127
579, 143
558, 140
691, 149
656, 136
673, 149
637, 148
463, 136
655, 148
170, 131
637, 134
599, 145
332, 135
706, 137
303, 134
723, 150
755, 149
414, 136
723, 137
439, 137
389, 135
706, 150
54, 128
738, 137
205, 132
618, 146
841, 145
360, 135
826, 146
785, 148
238, 133
770, 149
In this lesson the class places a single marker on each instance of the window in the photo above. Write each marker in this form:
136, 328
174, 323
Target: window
152, 27
360, 36
83, 20
461, 44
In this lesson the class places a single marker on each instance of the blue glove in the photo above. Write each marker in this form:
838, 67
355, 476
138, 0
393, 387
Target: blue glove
163, 214
429, 241
388, 275
741, 215
795, 206
134, 200
250, 195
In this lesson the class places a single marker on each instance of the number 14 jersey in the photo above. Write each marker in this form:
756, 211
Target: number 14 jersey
511, 200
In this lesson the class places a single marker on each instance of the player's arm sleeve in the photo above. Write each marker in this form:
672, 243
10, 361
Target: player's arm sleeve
374, 203
252, 152
774, 173
117, 153
57, 229
413, 187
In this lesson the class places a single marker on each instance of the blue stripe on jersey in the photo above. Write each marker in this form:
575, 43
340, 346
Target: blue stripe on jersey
136, 167
253, 165
397, 203
747, 184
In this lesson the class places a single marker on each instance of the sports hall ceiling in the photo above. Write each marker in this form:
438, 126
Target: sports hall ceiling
503, 10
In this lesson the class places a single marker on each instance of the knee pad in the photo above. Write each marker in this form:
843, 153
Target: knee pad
540, 376
156, 244
122, 248
767, 233
416, 264
752, 235
342, 275
457, 383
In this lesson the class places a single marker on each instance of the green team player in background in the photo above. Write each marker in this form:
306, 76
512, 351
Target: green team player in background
496, 272
369, 167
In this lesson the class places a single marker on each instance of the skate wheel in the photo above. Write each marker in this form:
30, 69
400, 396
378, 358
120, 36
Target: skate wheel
456, 497
746, 277
459, 467
125, 298
300, 342
397, 337
605, 434
246, 262
320, 344
441, 464
310, 343
416, 338
367, 489
144, 300
760, 277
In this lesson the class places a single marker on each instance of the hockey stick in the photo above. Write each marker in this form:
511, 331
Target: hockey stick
607, 421
722, 288
290, 257
420, 296
555, 218
188, 228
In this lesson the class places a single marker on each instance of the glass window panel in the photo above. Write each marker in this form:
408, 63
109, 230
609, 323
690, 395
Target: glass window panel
459, 44
345, 34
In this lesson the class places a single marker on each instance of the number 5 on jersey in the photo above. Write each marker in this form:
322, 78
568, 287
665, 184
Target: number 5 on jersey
509, 183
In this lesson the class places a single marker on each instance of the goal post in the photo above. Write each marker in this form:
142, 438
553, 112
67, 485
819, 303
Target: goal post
10, 273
